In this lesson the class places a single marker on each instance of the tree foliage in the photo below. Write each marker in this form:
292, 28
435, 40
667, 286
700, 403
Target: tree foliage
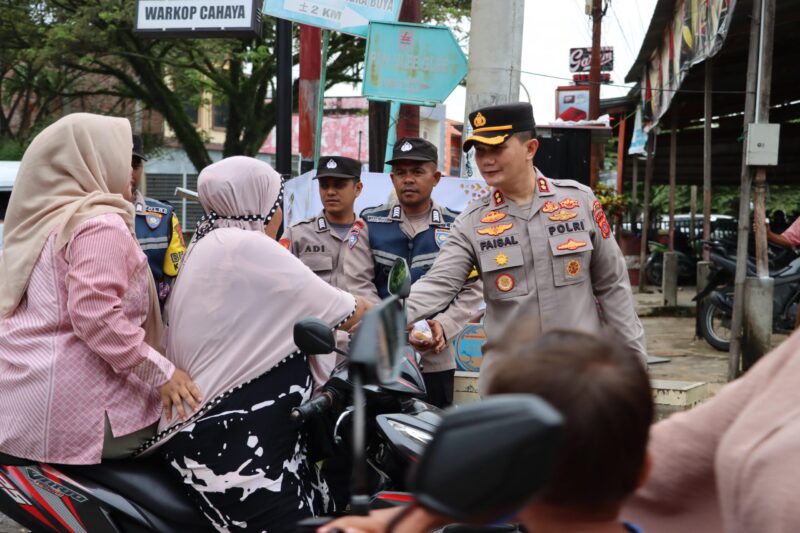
57, 51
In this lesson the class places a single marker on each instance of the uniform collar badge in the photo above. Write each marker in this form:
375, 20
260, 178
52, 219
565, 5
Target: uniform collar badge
436, 217
153, 220
139, 208
322, 224
499, 199
397, 212
406, 147
543, 185
331, 164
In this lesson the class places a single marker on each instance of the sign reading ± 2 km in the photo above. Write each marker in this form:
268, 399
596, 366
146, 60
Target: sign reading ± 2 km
412, 63
348, 16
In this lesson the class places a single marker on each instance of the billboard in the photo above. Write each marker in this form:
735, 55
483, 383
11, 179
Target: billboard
580, 59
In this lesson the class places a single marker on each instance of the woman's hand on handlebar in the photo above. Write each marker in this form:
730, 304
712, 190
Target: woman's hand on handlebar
179, 389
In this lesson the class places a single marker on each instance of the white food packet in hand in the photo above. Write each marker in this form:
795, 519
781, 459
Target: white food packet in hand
422, 331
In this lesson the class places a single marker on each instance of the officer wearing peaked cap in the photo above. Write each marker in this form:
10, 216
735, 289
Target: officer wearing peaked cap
543, 247
414, 228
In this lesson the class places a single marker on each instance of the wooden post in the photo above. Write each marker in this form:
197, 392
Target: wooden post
734, 353
673, 171
707, 157
692, 214
648, 179
635, 195
620, 168
594, 87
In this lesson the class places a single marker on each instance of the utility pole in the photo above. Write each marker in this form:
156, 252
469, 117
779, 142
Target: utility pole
594, 86
408, 123
283, 98
308, 93
495, 55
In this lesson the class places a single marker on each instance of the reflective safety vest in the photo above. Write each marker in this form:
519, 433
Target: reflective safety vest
154, 231
388, 242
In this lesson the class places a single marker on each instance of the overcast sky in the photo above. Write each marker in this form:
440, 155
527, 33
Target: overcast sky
551, 28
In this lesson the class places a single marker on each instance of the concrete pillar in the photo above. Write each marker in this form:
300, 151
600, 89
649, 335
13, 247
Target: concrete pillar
703, 273
495, 55
669, 280
757, 326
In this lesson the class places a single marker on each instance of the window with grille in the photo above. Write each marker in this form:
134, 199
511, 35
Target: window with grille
162, 187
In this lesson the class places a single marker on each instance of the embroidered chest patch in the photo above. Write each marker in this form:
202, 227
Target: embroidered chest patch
153, 220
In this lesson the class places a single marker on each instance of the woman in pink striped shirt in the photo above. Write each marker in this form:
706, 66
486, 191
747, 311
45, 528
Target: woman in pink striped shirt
80, 379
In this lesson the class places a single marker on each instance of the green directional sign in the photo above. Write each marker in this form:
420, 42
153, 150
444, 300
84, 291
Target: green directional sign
412, 63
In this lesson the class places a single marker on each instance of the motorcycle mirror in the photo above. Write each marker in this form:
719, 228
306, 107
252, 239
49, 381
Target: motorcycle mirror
378, 345
514, 438
400, 279
314, 336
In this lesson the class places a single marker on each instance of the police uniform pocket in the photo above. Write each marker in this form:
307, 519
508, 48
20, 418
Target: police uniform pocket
322, 265
571, 257
504, 272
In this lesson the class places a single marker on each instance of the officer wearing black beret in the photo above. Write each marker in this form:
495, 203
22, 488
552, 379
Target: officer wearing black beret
543, 247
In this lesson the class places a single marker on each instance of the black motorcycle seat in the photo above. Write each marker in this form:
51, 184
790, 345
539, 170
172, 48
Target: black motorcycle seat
145, 482
10, 460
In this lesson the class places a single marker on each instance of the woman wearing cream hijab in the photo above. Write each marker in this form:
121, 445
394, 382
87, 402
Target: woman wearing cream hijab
80, 376
230, 317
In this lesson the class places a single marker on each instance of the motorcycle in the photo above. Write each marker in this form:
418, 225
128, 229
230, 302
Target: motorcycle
654, 266
717, 296
136, 496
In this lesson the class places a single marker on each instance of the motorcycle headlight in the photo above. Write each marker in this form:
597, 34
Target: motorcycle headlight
418, 435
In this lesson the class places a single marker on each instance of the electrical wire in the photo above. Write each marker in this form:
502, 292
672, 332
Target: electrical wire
654, 89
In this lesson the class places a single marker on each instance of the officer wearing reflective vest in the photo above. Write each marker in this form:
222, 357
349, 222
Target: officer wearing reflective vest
415, 228
543, 246
157, 229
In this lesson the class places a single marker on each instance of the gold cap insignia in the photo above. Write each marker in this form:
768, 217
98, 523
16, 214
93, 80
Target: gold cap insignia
479, 121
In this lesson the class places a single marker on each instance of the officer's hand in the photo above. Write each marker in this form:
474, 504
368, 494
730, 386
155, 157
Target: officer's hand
179, 389
439, 342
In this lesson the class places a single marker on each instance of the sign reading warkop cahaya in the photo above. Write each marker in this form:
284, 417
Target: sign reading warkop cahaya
199, 18
580, 59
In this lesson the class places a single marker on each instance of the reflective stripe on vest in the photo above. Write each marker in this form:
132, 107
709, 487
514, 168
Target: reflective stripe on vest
388, 242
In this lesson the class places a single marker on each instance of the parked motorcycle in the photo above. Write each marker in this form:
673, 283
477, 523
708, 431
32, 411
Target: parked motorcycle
654, 266
717, 296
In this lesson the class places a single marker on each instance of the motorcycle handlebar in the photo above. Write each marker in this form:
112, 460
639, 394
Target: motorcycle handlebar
314, 407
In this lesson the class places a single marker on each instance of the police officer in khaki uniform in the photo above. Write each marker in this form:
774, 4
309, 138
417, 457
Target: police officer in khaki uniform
321, 241
543, 247
414, 228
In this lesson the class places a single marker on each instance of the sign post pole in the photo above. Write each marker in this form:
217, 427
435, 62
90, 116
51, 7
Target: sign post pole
323, 75
391, 138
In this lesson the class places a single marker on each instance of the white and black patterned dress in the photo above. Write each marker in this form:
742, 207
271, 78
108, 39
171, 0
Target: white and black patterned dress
244, 462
